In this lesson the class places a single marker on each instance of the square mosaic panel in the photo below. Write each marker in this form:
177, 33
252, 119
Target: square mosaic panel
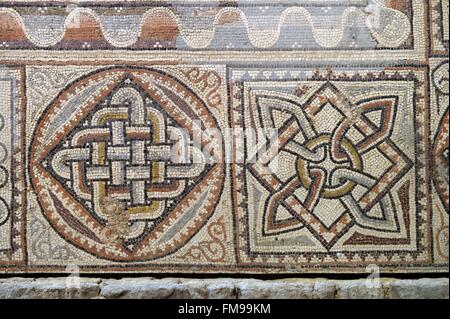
294, 136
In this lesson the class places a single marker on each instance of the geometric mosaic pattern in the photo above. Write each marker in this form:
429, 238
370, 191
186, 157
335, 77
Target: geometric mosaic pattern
224, 137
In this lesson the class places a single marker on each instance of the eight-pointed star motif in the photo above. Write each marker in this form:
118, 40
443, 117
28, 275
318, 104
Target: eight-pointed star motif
330, 163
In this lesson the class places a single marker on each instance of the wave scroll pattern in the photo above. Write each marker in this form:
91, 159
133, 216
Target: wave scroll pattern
390, 28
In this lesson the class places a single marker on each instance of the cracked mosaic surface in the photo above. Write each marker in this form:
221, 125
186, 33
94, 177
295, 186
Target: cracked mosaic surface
324, 136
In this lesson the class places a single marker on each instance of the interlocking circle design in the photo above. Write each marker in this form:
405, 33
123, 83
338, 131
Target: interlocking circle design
354, 163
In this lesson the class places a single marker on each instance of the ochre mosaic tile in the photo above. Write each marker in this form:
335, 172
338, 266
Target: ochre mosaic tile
250, 136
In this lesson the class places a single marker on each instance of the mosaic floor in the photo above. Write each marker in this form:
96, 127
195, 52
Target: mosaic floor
248, 136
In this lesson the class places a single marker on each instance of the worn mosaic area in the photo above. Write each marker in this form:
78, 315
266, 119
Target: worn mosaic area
224, 136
